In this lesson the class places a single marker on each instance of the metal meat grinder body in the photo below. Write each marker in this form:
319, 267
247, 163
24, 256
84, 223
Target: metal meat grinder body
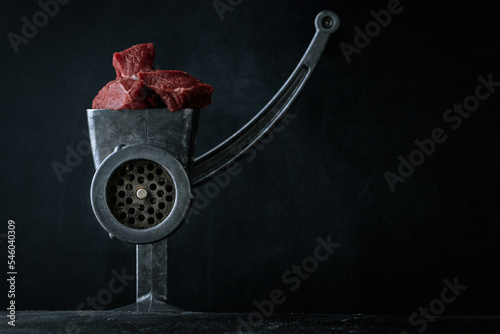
142, 189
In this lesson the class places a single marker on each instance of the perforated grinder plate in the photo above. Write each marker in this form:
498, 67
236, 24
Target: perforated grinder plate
140, 193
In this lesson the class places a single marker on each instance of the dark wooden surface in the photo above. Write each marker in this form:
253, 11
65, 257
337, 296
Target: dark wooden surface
73, 322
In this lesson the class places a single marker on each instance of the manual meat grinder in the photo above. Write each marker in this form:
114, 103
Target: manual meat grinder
142, 189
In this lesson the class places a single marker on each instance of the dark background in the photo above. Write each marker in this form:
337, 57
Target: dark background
323, 175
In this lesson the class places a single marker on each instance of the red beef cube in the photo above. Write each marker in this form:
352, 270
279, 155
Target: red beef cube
178, 89
122, 94
138, 58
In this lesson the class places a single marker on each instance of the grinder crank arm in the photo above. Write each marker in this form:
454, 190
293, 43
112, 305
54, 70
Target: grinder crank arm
235, 147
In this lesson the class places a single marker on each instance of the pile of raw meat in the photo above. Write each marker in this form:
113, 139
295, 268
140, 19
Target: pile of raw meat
139, 86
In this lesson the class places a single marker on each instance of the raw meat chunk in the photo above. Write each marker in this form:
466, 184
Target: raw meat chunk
178, 89
139, 86
138, 58
122, 94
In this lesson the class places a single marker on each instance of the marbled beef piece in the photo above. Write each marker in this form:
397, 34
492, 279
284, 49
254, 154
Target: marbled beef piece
122, 94
138, 58
178, 89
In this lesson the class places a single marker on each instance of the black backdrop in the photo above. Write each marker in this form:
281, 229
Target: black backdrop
323, 175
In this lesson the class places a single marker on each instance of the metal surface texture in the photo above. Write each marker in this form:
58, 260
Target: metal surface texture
103, 212
216, 160
174, 132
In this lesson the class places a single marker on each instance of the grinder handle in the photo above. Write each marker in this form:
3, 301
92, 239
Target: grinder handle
235, 147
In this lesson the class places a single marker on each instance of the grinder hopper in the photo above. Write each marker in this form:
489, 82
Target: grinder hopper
142, 189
